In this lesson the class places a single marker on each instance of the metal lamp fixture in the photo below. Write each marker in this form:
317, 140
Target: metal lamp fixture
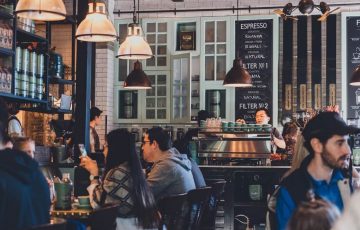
41, 10
355, 79
305, 7
135, 46
96, 27
137, 79
237, 76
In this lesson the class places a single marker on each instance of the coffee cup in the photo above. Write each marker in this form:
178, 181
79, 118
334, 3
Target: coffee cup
84, 200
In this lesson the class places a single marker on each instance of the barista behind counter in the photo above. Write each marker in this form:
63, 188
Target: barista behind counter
262, 117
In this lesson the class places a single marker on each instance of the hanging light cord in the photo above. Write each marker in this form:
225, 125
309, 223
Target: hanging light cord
134, 14
237, 21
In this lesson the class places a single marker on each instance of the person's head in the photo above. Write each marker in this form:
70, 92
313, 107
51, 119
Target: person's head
182, 145
326, 136
202, 116
155, 141
13, 108
316, 214
262, 116
25, 144
290, 130
95, 113
121, 149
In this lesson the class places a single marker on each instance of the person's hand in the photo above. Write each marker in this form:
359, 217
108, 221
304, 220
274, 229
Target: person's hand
241, 121
90, 165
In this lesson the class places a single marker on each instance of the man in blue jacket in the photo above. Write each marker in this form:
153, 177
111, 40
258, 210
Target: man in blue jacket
324, 171
24, 192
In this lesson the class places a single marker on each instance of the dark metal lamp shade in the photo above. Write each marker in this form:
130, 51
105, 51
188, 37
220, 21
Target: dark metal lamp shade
237, 76
355, 79
137, 79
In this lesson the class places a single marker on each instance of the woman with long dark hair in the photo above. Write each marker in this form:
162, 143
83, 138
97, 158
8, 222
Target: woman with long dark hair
123, 182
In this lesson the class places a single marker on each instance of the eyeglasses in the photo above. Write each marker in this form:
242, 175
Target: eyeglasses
143, 142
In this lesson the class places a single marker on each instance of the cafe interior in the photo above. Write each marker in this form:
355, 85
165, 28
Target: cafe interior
138, 64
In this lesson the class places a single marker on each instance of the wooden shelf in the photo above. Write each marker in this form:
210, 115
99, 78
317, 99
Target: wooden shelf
6, 52
24, 36
55, 80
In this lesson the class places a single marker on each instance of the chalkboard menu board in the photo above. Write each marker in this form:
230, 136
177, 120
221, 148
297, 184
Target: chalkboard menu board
254, 44
353, 60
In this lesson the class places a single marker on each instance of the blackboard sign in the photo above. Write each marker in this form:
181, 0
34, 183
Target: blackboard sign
254, 44
353, 57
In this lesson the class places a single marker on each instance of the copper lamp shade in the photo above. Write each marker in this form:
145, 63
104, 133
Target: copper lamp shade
96, 27
137, 79
41, 10
355, 79
237, 76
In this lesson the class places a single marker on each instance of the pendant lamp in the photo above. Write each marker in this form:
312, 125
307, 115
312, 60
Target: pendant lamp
135, 46
237, 76
137, 79
355, 79
41, 10
96, 27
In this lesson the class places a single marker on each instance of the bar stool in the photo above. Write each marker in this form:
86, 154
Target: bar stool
209, 216
104, 217
55, 224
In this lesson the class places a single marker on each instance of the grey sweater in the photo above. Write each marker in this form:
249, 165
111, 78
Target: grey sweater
171, 175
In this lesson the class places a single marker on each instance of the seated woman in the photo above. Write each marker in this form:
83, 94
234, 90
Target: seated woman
123, 183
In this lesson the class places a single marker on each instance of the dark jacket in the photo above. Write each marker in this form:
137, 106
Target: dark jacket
24, 192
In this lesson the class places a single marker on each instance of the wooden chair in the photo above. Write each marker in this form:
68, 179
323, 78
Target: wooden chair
209, 216
55, 224
198, 200
104, 218
174, 212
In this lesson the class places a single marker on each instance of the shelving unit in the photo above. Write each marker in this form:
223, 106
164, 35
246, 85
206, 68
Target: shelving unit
22, 36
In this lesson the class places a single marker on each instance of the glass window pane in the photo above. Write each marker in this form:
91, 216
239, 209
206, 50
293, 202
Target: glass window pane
152, 79
209, 68
176, 70
162, 27
150, 102
221, 49
150, 38
185, 70
122, 69
161, 50
122, 32
153, 49
150, 114
161, 61
161, 103
221, 31
161, 80
220, 67
151, 27
162, 38
209, 49
150, 61
209, 31
161, 114
161, 91
150, 92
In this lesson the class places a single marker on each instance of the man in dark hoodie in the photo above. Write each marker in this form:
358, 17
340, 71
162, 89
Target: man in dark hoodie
171, 171
24, 192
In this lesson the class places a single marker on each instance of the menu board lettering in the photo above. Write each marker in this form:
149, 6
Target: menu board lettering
353, 57
254, 45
